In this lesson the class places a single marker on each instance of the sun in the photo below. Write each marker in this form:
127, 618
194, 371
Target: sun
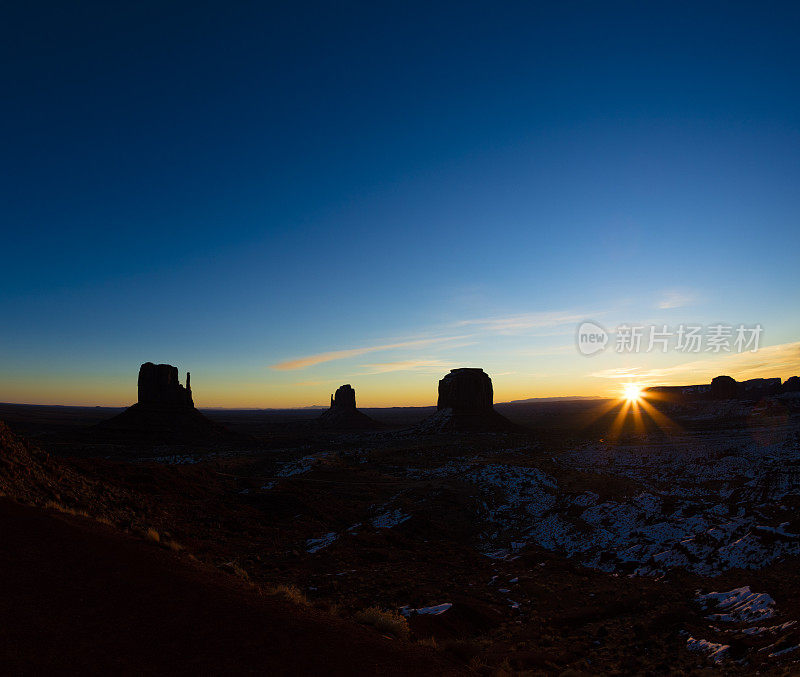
632, 392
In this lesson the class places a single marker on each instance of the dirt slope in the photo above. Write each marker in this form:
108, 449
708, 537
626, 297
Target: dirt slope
78, 597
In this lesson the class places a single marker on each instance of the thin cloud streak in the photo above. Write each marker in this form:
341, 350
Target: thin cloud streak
319, 358
620, 372
675, 299
542, 352
783, 358
514, 323
424, 366
482, 326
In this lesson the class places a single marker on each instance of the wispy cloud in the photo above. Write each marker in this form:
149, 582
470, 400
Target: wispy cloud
620, 372
315, 383
780, 360
511, 324
425, 366
675, 299
552, 350
319, 358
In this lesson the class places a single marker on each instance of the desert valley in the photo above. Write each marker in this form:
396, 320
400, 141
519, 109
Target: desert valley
571, 537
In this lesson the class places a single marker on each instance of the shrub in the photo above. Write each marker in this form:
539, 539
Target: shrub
293, 594
60, 507
384, 621
429, 641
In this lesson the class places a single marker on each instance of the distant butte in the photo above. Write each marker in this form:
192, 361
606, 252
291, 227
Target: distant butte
466, 404
343, 414
159, 387
727, 388
344, 398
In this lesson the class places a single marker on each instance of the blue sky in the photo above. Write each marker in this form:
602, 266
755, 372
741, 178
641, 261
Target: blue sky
234, 186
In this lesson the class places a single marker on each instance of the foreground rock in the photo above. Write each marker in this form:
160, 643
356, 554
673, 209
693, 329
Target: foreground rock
343, 414
465, 404
165, 411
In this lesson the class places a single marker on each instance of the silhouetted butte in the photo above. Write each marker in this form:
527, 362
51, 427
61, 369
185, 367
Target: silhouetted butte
165, 410
343, 414
465, 404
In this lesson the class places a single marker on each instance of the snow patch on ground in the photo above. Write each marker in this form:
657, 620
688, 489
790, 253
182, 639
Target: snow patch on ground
297, 467
737, 608
177, 459
426, 610
705, 502
389, 519
316, 544
739, 605
715, 652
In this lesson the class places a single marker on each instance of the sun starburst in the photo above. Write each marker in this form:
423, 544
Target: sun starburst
632, 392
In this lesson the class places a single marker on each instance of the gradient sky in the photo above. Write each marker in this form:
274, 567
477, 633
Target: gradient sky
282, 200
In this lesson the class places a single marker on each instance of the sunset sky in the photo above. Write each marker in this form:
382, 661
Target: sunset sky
285, 200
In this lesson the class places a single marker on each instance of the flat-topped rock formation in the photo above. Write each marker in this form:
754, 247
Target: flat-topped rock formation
159, 386
466, 404
165, 411
466, 390
343, 414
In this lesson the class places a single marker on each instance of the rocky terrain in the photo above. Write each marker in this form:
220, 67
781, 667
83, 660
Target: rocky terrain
669, 549
603, 541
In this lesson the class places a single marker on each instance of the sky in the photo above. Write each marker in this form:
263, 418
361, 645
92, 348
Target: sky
282, 198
